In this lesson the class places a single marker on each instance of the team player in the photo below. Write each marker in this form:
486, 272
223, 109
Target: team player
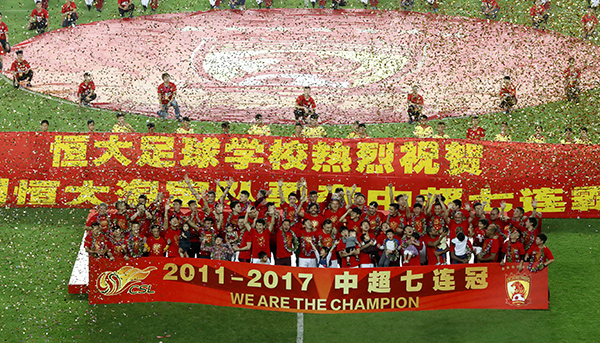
38, 19
122, 126
69, 14
305, 106
589, 23
572, 75
508, 95
87, 91
166, 97
539, 256
415, 105
126, 6
314, 130
21, 70
4, 45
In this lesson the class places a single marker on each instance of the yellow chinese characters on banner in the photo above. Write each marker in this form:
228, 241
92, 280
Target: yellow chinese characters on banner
86, 193
375, 158
69, 151
243, 152
464, 158
157, 151
37, 192
585, 198
3, 191
486, 195
113, 150
549, 200
200, 153
331, 158
419, 157
289, 155
138, 187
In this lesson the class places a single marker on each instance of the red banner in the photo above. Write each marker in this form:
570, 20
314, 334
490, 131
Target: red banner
317, 290
81, 170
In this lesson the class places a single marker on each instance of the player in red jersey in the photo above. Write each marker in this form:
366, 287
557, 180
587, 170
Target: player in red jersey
117, 245
396, 219
126, 6
4, 45
508, 95
418, 219
245, 246
415, 105
208, 200
167, 91
21, 70
171, 226
475, 132
144, 218
589, 23
86, 91
121, 218
136, 244
38, 19
261, 236
374, 217
306, 234
69, 14
334, 213
157, 244
491, 247
539, 256
305, 106
102, 217
539, 15
287, 243
531, 231
432, 241
513, 250
352, 219
96, 244
437, 218
490, 9
572, 75
313, 215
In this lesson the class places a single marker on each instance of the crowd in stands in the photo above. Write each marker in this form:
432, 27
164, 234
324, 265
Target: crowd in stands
341, 231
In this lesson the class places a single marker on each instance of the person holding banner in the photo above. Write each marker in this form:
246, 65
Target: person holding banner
513, 250
21, 70
287, 243
157, 244
260, 238
538, 256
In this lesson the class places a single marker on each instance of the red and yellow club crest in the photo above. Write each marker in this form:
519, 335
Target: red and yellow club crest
518, 289
115, 282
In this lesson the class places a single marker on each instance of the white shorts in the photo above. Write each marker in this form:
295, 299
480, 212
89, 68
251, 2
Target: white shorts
307, 262
257, 260
367, 265
334, 264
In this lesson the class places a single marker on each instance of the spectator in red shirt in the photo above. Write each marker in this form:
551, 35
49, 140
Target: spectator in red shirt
86, 90
539, 15
589, 23
572, 75
490, 9
305, 106
69, 14
475, 132
415, 105
166, 97
508, 95
39, 19
126, 6
21, 70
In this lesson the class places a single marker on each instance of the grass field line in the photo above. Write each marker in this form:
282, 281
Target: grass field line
300, 328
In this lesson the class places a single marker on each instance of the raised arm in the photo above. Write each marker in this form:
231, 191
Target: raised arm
281, 196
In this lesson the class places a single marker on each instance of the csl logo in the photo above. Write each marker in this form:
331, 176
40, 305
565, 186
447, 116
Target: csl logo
127, 278
518, 288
